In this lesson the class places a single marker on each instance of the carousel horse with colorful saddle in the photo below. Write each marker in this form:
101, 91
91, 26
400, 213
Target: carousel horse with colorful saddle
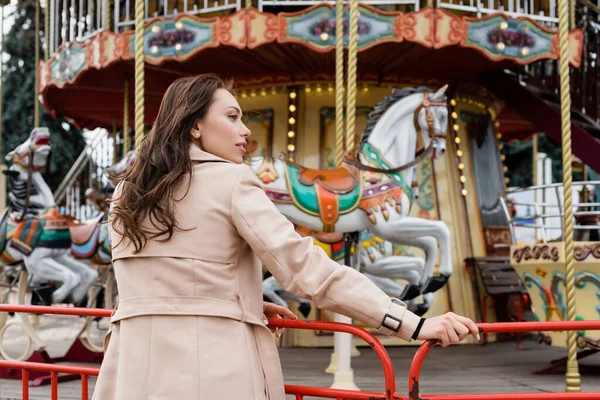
377, 262
53, 247
372, 192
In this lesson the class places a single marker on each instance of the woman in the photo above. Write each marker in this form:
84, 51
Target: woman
190, 226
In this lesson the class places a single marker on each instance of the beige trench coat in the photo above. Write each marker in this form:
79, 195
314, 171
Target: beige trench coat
189, 324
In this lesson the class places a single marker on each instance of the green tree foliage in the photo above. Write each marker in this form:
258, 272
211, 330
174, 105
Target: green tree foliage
19, 79
519, 160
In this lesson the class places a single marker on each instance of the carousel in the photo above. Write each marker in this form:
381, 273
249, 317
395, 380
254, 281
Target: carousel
377, 129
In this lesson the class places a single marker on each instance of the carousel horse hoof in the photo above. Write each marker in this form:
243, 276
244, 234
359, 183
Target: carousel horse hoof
43, 296
420, 309
410, 292
304, 308
435, 283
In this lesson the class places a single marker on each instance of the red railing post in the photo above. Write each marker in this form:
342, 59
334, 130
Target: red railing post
414, 392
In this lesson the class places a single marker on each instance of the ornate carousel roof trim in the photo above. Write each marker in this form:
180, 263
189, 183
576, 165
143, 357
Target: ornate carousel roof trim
498, 37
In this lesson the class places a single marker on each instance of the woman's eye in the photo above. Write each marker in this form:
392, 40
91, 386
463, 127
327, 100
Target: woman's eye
233, 117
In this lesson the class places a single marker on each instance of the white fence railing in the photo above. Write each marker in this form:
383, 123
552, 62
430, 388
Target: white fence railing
537, 212
124, 10
544, 11
75, 20
286, 3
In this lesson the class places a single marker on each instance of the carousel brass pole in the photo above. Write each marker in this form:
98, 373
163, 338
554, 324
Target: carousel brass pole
139, 72
47, 29
534, 157
126, 130
572, 14
36, 89
115, 133
339, 82
572, 375
107, 18
352, 65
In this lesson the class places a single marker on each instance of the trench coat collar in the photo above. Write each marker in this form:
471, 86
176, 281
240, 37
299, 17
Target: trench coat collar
197, 154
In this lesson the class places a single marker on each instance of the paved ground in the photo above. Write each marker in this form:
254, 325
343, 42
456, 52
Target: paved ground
459, 369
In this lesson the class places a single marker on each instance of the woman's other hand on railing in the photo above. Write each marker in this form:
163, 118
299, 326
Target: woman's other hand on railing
448, 329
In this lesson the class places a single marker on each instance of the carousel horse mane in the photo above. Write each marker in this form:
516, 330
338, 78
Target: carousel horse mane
385, 104
18, 196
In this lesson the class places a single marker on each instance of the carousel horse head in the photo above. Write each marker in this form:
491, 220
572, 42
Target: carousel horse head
419, 111
33, 153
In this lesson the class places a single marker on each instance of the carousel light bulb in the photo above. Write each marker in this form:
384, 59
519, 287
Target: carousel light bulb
457, 140
505, 168
178, 46
244, 94
500, 146
292, 95
154, 49
463, 179
500, 46
292, 121
292, 108
507, 180
503, 157
454, 115
291, 134
453, 103
461, 166
365, 88
178, 25
263, 92
319, 89
273, 91
155, 29
459, 153
253, 93
307, 89
330, 88
324, 36
464, 192
498, 135
455, 127
291, 147
503, 25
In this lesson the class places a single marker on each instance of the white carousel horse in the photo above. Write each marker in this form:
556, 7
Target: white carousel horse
32, 229
373, 194
377, 263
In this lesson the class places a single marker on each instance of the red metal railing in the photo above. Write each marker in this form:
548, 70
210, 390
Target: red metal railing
504, 327
298, 391
386, 363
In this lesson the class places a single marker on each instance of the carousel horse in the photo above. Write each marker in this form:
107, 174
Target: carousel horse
373, 192
378, 263
35, 233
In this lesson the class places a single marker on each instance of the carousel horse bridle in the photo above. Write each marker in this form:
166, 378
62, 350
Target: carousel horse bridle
421, 154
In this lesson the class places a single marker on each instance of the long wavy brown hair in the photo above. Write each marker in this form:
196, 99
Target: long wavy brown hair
162, 162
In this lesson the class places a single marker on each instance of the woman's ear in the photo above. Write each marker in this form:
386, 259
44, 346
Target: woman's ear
196, 131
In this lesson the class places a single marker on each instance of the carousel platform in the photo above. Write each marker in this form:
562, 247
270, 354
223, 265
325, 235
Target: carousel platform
493, 368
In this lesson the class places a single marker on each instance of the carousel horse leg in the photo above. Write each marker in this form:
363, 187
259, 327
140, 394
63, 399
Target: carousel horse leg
87, 276
42, 265
270, 286
396, 230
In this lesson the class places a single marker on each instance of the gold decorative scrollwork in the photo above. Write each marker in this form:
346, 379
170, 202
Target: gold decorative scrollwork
544, 252
583, 252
